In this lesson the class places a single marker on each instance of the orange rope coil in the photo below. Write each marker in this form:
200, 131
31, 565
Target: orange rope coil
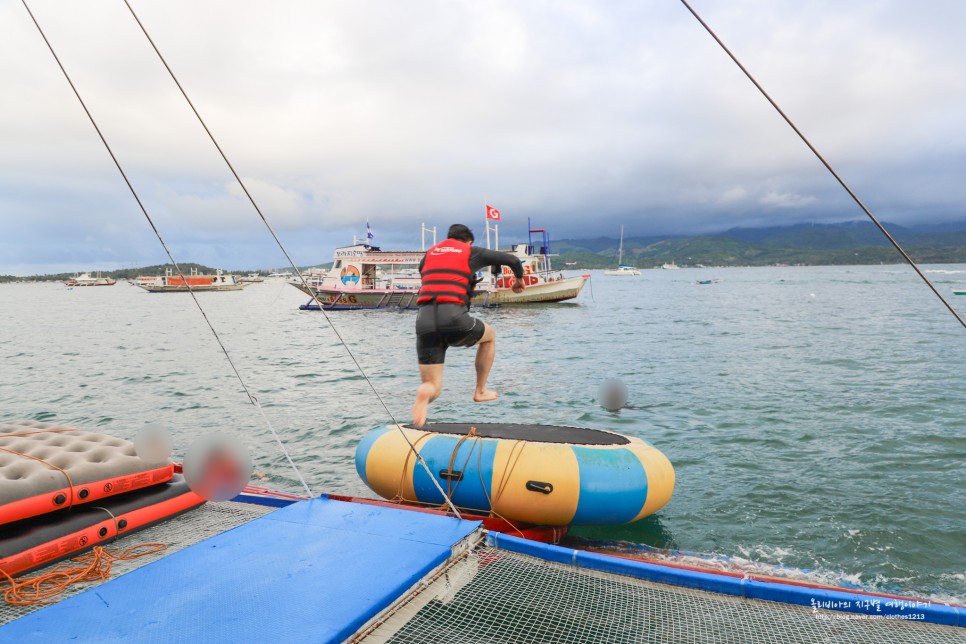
94, 565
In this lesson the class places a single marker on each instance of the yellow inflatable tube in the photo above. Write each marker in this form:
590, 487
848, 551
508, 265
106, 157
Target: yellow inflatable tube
539, 474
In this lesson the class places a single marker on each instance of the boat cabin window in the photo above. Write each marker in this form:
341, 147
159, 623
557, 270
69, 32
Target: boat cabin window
338, 264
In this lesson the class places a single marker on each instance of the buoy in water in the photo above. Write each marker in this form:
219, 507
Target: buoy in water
541, 474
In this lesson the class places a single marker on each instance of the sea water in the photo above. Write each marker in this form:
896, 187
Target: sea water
814, 415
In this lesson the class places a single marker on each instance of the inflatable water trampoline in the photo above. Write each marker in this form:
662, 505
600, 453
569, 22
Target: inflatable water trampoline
541, 474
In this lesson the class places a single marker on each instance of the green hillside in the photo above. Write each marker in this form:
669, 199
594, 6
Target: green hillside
848, 243
854, 242
122, 274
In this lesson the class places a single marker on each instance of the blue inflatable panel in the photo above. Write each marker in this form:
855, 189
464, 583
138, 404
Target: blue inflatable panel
613, 486
314, 571
475, 457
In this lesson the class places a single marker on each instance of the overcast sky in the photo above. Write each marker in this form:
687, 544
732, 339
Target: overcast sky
581, 115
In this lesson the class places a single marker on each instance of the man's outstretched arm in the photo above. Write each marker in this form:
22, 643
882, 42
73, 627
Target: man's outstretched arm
485, 257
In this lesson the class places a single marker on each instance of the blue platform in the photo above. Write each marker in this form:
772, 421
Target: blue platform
314, 571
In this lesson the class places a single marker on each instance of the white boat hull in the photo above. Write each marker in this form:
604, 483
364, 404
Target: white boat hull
339, 299
621, 271
196, 288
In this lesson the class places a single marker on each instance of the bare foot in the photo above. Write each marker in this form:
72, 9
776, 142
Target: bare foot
485, 396
420, 407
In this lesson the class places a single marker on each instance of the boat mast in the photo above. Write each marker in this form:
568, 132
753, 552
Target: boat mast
620, 248
424, 231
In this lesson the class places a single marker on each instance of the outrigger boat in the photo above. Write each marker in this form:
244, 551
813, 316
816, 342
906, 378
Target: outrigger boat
171, 283
367, 277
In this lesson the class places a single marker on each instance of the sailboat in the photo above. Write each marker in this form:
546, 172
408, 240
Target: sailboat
622, 269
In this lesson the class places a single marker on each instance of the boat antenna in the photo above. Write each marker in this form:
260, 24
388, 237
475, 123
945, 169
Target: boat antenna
841, 181
157, 234
301, 277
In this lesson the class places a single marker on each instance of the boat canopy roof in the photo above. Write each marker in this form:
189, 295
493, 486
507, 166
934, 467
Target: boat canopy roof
364, 254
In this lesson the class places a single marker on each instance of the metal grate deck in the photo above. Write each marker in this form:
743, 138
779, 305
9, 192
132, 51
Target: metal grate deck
500, 596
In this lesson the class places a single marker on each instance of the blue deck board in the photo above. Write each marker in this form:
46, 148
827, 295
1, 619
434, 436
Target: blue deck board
314, 571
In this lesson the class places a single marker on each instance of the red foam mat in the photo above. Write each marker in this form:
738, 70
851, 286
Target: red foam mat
35, 542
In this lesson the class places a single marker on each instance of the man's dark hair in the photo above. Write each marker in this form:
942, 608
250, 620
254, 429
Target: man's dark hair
461, 233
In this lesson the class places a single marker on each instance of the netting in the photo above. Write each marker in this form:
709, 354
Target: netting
490, 595
177, 533
495, 596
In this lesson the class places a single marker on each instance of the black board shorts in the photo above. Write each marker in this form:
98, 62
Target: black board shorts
439, 327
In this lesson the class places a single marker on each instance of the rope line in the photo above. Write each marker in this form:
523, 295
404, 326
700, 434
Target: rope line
167, 251
828, 167
70, 481
511, 462
450, 488
281, 246
493, 512
40, 431
405, 469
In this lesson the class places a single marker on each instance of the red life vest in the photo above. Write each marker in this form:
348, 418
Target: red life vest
446, 276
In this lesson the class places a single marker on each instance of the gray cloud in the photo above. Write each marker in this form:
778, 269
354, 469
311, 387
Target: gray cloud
569, 112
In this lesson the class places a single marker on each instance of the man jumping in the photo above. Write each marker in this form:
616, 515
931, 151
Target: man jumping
444, 321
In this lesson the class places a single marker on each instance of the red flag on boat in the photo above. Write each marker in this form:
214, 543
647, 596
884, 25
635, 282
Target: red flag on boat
492, 213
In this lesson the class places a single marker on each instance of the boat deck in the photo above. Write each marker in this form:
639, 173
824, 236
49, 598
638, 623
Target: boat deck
316, 570
326, 570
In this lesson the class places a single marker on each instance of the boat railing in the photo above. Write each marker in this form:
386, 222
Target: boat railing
403, 283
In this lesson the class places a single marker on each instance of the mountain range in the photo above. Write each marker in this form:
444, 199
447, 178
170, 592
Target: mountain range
853, 242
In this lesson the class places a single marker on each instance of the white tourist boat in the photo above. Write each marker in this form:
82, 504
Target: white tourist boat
367, 277
670, 266
86, 279
622, 269
172, 283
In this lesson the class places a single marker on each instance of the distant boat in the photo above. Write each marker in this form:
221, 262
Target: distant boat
707, 281
622, 269
670, 266
314, 277
85, 279
251, 278
959, 291
170, 283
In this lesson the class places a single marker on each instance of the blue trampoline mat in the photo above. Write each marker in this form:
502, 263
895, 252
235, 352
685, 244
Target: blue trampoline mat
316, 571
